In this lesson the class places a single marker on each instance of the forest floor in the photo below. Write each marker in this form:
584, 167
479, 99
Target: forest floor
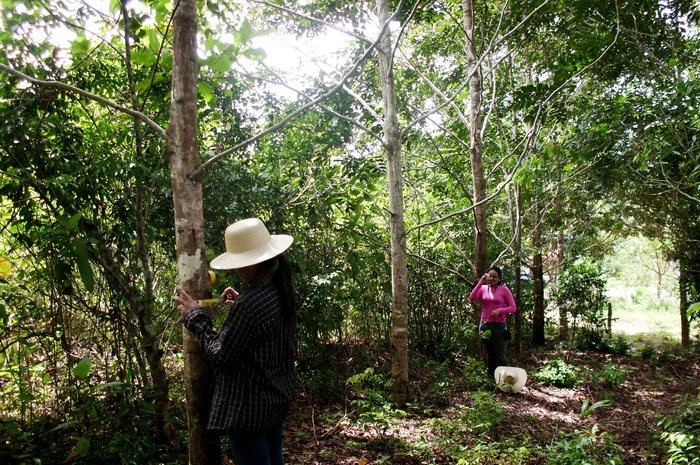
452, 421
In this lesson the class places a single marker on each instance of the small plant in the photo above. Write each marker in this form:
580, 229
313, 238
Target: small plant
681, 435
589, 447
647, 352
612, 375
487, 412
620, 345
557, 373
664, 357
507, 452
442, 380
323, 383
593, 339
475, 374
587, 408
372, 404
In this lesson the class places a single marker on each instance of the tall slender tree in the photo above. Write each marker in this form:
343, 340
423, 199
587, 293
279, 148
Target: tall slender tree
193, 276
399, 273
476, 146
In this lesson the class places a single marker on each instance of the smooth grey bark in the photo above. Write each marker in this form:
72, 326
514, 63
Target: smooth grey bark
517, 231
538, 338
476, 146
399, 273
563, 316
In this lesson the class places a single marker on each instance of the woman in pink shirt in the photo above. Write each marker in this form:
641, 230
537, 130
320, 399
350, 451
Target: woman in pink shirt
496, 302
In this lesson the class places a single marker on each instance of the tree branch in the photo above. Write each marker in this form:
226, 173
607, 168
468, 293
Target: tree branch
63, 86
346, 77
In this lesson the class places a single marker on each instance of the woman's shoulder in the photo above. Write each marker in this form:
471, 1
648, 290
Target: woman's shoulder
259, 296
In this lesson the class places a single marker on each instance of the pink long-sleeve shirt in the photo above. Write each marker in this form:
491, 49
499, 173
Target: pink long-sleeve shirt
499, 299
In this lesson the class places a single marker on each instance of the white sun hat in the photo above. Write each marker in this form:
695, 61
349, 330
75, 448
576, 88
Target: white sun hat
248, 242
510, 379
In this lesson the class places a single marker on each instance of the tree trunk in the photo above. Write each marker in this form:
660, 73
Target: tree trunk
538, 277
399, 273
563, 317
475, 155
683, 304
476, 147
516, 221
182, 149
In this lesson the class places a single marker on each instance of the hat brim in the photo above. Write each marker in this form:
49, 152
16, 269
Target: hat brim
519, 374
231, 261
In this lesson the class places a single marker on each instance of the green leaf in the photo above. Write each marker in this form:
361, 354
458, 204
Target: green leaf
67, 424
256, 54
587, 407
115, 384
5, 268
220, 63
245, 33
82, 369
80, 46
162, 8
206, 92
694, 310
73, 221
154, 41
115, 6
83, 446
143, 57
3, 315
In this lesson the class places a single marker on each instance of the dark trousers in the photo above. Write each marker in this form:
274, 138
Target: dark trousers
492, 338
249, 448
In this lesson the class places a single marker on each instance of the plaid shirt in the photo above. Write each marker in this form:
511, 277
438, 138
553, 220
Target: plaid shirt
253, 358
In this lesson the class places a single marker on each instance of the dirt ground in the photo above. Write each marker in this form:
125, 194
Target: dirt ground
327, 434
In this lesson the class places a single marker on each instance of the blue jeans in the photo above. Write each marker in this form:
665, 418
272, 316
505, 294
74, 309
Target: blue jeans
496, 346
250, 448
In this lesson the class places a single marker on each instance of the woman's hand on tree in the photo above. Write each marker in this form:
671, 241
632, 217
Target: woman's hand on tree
185, 302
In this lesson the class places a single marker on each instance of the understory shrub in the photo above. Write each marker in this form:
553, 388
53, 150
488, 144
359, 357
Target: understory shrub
373, 406
323, 384
557, 373
507, 452
95, 433
475, 374
581, 294
680, 434
610, 375
589, 447
620, 345
486, 414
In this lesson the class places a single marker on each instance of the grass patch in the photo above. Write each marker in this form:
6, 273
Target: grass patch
649, 324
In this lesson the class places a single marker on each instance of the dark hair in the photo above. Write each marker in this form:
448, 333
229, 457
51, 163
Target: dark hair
282, 279
500, 274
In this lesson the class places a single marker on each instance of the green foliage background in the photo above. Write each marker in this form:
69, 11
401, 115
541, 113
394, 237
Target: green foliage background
591, 134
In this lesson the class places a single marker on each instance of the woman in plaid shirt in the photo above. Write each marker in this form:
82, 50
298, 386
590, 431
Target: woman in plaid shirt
253, 351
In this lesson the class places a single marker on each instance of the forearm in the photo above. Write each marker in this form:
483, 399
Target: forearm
476, 292
198, 321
